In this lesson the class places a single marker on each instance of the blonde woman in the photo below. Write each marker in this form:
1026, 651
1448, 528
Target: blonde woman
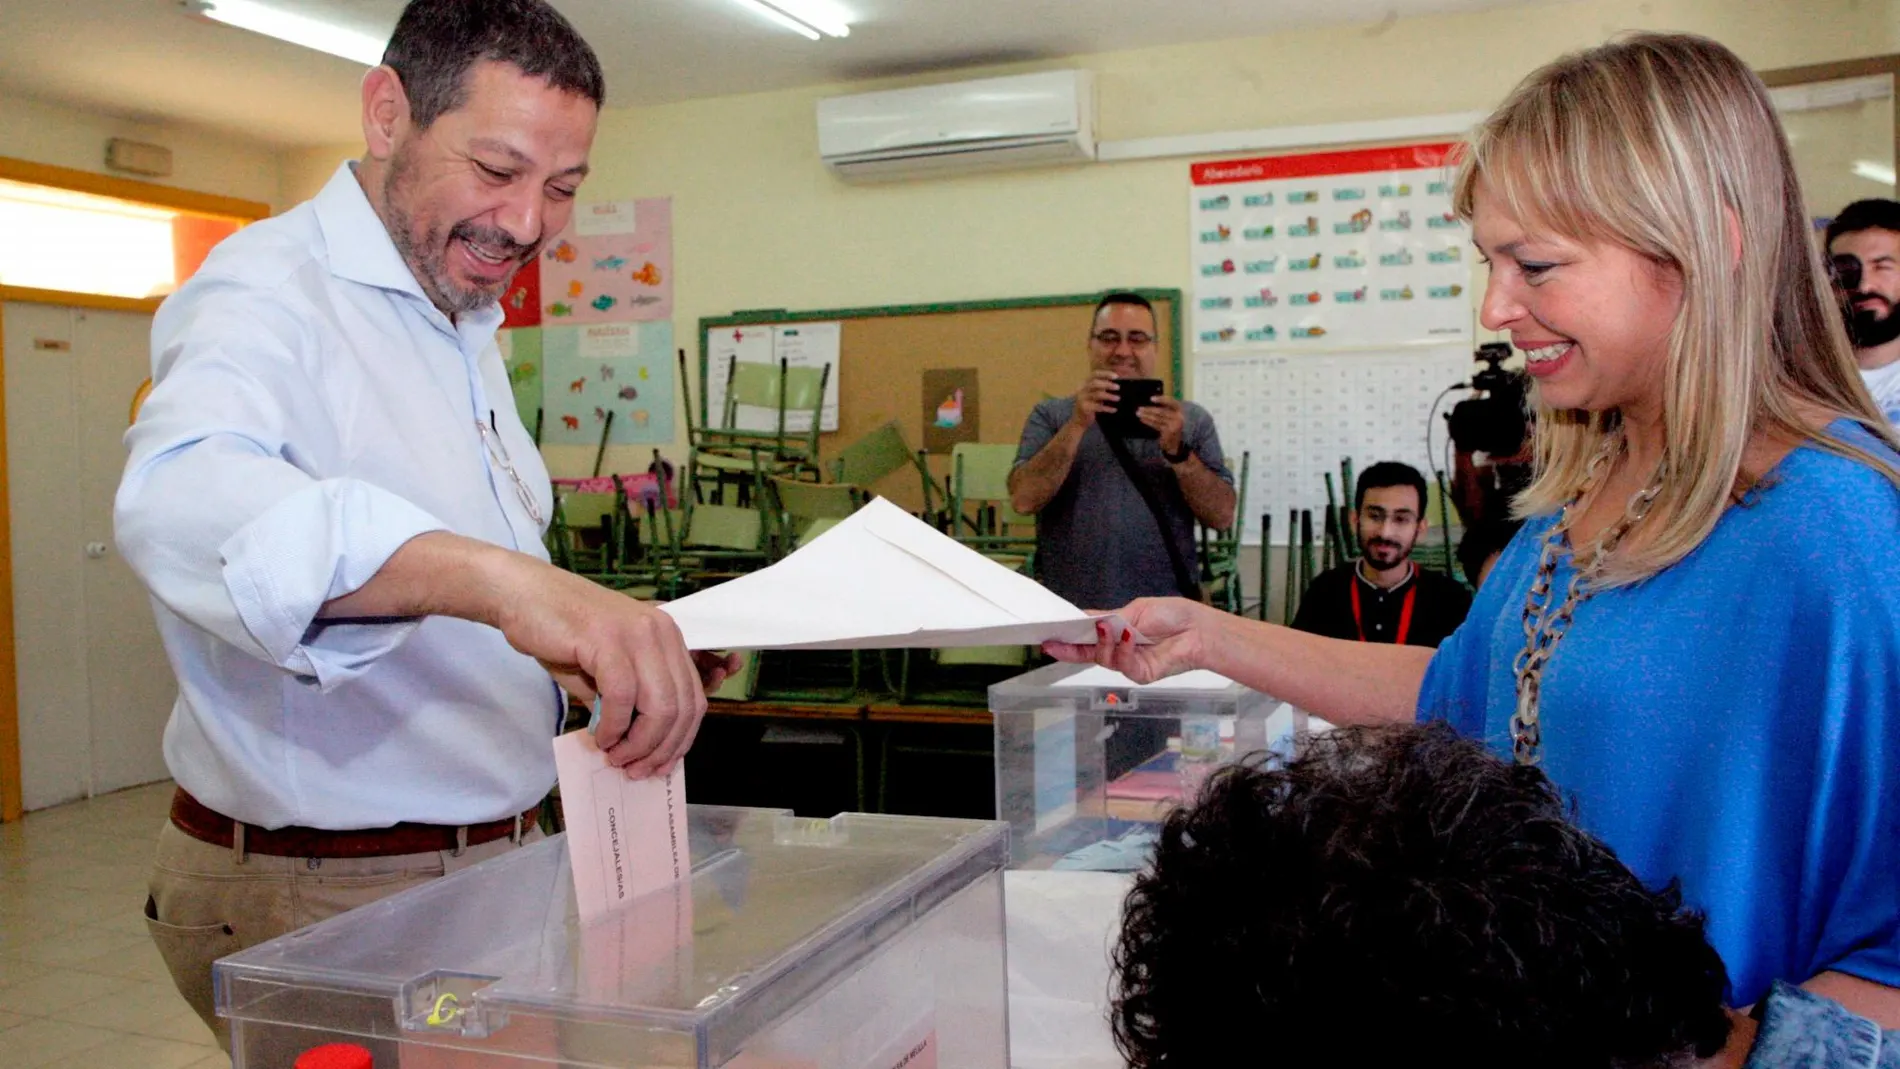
1697, 631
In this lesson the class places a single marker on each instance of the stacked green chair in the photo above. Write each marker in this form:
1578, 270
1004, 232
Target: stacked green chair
979, 516
869, 460
801, 511
584, 531
1220, 552
980, 510
726, 456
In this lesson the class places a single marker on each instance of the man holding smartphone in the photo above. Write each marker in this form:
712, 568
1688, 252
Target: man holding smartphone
1117, 475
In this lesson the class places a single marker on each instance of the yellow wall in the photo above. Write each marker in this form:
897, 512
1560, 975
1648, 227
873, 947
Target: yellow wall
759, 223
201, 160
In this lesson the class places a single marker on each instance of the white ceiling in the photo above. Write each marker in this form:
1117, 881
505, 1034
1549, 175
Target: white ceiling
148, 59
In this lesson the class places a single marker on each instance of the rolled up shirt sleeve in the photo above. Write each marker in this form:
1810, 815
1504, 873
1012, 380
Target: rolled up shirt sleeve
221, 512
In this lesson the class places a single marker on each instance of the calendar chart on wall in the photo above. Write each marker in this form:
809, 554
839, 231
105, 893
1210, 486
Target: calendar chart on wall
1298, 415
1328, 251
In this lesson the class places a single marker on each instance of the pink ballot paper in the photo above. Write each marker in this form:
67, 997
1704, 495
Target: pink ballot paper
625, 837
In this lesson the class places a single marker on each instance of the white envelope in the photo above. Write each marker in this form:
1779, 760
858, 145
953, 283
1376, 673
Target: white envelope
880, 579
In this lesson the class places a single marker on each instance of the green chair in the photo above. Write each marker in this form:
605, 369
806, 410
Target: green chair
1220, 551
980, 512
731, 455
716, 542
802, 511
867, 461
584, 531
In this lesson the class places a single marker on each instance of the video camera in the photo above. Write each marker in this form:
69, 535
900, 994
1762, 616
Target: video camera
1493, 422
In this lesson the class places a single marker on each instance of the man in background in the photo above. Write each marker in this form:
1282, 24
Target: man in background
1400, 896
1115, 517
1384, 596
1863, 244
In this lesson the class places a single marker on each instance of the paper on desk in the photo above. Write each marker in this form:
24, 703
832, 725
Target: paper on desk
881, 579
625, 837
1097, 676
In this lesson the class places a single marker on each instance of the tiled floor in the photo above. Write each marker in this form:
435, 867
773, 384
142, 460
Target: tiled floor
80, 983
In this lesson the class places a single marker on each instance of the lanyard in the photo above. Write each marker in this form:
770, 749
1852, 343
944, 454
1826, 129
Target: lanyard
1405, 613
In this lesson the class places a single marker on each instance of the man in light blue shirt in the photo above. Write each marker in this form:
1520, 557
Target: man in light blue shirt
339, 514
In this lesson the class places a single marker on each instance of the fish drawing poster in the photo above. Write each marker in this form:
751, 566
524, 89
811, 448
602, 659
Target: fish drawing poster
613, 264
590, 372
1329, 251
521, 355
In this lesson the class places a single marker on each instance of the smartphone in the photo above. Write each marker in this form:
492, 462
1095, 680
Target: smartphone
1122, 421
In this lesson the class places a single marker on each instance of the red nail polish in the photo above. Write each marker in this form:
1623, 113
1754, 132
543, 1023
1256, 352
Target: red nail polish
1127, 634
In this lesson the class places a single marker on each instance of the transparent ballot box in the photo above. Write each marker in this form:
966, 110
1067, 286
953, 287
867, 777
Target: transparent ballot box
1087, 763
860, 942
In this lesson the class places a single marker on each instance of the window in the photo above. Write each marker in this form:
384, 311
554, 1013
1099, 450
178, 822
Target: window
59, 239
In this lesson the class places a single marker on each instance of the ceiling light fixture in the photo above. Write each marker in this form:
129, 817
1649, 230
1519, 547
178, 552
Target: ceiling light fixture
297, 29
1877, 172
800, 16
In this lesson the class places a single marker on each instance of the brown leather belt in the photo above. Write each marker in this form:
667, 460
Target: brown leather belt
207, 825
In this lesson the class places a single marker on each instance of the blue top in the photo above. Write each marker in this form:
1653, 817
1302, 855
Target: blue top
1733, 721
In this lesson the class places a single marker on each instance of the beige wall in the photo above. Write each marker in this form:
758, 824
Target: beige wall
759, 223
201, 160
301, 172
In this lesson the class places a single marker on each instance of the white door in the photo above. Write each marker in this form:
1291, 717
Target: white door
94, 686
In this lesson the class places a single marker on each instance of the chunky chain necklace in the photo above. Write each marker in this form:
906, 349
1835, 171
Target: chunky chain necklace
1545, 624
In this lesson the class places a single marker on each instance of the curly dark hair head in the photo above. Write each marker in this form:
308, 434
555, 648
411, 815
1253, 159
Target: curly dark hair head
1399, 896
437, 41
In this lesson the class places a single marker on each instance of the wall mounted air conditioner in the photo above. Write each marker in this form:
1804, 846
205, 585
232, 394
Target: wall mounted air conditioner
1020, 121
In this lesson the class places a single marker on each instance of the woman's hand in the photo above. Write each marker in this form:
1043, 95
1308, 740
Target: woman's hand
1177, 628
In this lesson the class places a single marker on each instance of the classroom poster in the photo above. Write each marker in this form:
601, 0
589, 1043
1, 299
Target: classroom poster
1331, 250
951, 408
613, 264
798, 344
521, 355
1297, 415
622, 368
521, 302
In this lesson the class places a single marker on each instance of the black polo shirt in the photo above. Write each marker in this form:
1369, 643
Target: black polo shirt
1437, 609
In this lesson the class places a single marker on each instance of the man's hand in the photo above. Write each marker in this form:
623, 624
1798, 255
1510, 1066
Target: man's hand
1097, 395
1166, 415
599, 642
594, 641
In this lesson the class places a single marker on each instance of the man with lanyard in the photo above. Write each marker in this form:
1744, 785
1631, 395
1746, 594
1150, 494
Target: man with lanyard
339, 514
1383, 596
1115, 515
1863, 244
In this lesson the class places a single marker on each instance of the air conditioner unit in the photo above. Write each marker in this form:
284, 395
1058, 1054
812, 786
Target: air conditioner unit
1019, 121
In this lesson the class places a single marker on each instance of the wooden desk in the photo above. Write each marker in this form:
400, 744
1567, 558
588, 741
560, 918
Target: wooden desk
892, 713
848, 711
847, 716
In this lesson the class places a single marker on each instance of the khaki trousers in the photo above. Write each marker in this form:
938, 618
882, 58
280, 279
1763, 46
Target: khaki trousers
206, 902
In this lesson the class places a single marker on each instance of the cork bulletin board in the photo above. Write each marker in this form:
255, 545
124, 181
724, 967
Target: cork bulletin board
1021, 350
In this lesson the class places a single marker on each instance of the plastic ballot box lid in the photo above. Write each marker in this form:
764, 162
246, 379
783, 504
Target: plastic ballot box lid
860, 941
